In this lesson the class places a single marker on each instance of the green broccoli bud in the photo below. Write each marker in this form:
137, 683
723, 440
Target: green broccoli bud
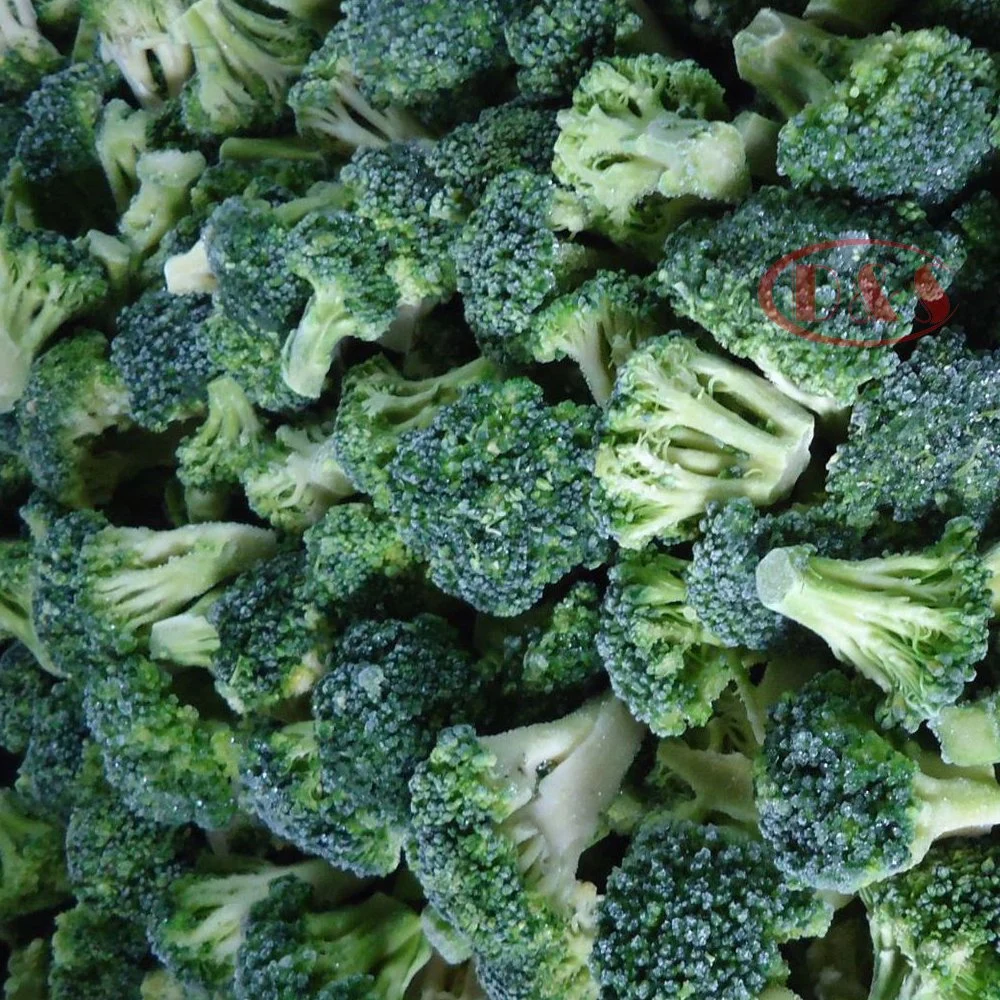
32, 870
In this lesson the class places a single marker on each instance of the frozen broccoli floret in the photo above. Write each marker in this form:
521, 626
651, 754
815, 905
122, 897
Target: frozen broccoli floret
495, 494
26, 55
23, 686
685, 428
122, 137
32, 869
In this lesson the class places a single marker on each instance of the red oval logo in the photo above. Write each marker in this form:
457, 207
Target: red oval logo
861, 295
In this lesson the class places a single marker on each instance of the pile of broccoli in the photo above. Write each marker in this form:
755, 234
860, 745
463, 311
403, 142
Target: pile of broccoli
433, 563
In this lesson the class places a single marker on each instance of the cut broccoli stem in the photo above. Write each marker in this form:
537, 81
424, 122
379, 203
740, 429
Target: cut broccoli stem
969, 734
953, 807
773, 55
189, 273
721, 782
187, 639
760, 144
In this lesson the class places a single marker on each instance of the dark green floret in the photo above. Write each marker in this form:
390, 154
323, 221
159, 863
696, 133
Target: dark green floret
699, 911
23, 686
843, 803
495, 494
18, 590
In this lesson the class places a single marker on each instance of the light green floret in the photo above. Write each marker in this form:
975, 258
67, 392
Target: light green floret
188, 639
598, 326
915, 623
685, 428
32, 869
26, 55
244, 63
134, 34
645, 141
45, 281
122, 137
499, 826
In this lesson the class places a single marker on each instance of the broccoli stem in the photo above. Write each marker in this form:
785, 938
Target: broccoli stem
953, 807
775, 53
969, 735
189, 273
760, 145
312, 347
721, 782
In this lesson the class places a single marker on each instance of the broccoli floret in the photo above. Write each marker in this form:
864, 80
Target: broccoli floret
26, 55
211, 462
685, 892
78, 439
95, 955
287, 788
391, 688
331, 103
369, 948
57, 150
345, 262
842, 804
496, 844
722, 581
245, 62
188, 639
685, 428
379, 407
201, 922
666, 666
517, 254
439, 980
922, 443
161, 354
512, 136
353, 554
32, 869
854, 105
47, 777
165, 180
442, 61
118, 861
495, 494
934, 927
122, 137
273, 642
644, 143
45, 281
711, 271
598, 326
23, 686
915, 623
167, 762
28, 972
17, 596
135, 35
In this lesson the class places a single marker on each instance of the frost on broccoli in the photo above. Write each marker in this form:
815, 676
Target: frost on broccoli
685, 428
858, 117
495, 494
844, 803
645, 142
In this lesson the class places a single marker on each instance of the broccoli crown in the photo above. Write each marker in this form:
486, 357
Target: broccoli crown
273, 642
684, 892
167, 762
32, 868
23, 687
284, 784
711, 270
76, 429
598, 325
496, 849
915, 623
642, 130
95, 955
161, 353
509, 137
345, 263
515, 255
439, 59
118, 861
378, 406
45, 281
391, 687
858, 117
938, 921
722, 577
662, 661
921, 443
353, 554
47, 777
245, 61
555, 41
370, 948
201, 921
841, 806
495, 494
684, 428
